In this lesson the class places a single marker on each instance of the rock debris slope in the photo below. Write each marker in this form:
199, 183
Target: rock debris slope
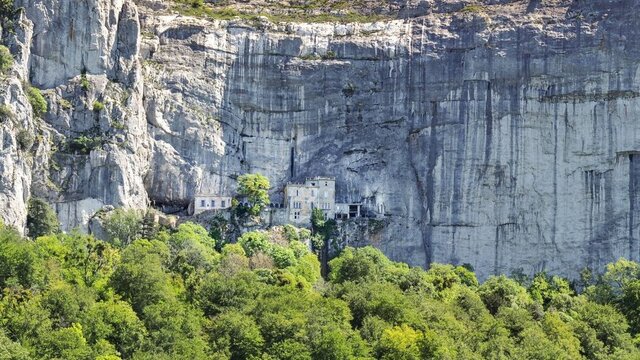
505, 135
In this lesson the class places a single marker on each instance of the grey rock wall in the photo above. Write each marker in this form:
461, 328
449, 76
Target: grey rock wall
505, 138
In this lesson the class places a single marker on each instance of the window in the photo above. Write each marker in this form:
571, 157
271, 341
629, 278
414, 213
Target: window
213, 203
223, 203
202, 203
326, 184
313, 193
326, 194
297, 192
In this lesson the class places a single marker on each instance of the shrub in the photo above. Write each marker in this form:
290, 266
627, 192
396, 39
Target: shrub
283, 257
41, 219
98, 106
330, 55
7, 11
123, 226
37, 101
6, 113
255, 241
6, 60
118, 125
84, 82
83, 144
25, 139
312, 56
65, 104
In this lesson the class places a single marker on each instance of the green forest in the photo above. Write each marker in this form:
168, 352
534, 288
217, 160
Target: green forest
149, 293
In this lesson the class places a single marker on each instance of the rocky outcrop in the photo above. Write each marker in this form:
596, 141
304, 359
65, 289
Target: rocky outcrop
501, 135
91, 148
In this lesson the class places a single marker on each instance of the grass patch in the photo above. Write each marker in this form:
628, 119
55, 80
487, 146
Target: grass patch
118, 125
65, 104
310, 57
472, 9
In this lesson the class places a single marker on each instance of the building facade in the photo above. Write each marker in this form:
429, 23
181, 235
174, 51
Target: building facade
315, 193
204, 203
347, 211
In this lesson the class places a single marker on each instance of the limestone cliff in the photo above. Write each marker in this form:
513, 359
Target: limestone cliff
503, 135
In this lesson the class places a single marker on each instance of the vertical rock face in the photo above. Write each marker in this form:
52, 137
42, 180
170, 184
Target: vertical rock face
91, 147
70, 37
505, 138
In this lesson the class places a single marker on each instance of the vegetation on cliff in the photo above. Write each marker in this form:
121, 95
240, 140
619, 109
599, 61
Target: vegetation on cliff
254, 189
70, 296
310, 11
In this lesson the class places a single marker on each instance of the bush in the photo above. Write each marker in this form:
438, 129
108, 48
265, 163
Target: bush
41, 219
118, 125
283, 257
37, 101
330, 55
6, 60
84, 82
254, 242
25, 139
98, 106
123, 226
6, 10
6, 113
65, 104
83, 144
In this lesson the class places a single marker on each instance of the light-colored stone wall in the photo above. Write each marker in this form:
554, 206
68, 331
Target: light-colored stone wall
301, 199
278, 216
326, 197
210, 202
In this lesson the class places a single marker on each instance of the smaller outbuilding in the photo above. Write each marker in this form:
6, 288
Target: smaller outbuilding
348, 211
204, 203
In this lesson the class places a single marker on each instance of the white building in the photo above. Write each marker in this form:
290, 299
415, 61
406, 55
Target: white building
204, 203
